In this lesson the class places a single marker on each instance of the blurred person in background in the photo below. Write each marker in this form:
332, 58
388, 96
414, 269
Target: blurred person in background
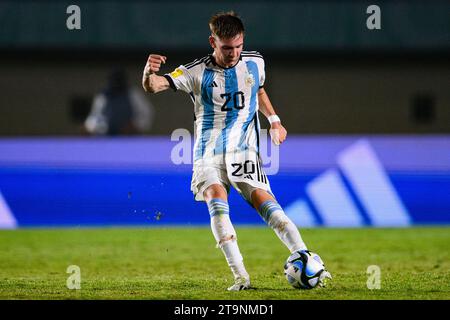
119, 109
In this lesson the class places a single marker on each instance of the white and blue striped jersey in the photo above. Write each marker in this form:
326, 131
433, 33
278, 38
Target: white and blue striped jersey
225, 102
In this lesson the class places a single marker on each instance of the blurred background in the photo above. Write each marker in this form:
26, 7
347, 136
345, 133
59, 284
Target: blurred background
367, 111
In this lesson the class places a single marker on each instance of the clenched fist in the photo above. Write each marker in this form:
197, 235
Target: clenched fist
154, 64
151, 67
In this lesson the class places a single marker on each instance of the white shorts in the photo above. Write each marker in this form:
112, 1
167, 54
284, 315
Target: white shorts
242, 170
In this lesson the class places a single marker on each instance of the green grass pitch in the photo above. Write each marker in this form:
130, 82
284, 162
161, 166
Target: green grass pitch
183, 263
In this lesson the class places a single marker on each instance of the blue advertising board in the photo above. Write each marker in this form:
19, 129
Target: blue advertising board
332, 181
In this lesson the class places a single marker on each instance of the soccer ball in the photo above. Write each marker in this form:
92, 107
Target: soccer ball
305, 270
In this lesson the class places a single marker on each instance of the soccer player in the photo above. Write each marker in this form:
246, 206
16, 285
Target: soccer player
227, 89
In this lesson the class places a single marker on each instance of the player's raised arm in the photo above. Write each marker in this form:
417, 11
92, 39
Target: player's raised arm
151, 82
277, 132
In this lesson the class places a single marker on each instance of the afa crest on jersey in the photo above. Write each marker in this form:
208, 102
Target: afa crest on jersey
249, 80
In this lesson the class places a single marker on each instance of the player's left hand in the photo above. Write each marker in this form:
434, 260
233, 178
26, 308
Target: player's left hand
278, 133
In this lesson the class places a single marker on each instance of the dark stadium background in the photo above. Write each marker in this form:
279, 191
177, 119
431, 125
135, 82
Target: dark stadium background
342, 91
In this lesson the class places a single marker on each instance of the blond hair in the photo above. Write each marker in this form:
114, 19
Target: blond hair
226, 25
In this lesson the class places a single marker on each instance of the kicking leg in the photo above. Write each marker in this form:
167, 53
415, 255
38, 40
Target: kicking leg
225, 235
274, 216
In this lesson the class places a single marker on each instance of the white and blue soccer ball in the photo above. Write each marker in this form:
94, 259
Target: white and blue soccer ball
305, 270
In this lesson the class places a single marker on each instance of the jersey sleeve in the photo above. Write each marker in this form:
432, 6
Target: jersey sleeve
262, 73
180, 79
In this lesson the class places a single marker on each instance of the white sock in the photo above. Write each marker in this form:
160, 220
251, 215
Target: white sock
234, 258
225, 236
284, 228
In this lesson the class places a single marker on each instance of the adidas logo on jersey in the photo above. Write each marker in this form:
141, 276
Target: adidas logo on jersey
248, 177
213, 85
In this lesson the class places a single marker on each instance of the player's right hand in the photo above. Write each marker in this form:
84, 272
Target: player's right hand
154, 64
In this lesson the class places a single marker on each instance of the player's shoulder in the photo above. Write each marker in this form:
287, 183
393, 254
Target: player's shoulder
198, 63
252, 55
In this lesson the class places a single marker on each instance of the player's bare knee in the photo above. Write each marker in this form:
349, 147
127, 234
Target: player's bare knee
215, 191
259, 196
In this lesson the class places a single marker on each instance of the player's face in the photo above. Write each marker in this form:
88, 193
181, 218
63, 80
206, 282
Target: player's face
227, 51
